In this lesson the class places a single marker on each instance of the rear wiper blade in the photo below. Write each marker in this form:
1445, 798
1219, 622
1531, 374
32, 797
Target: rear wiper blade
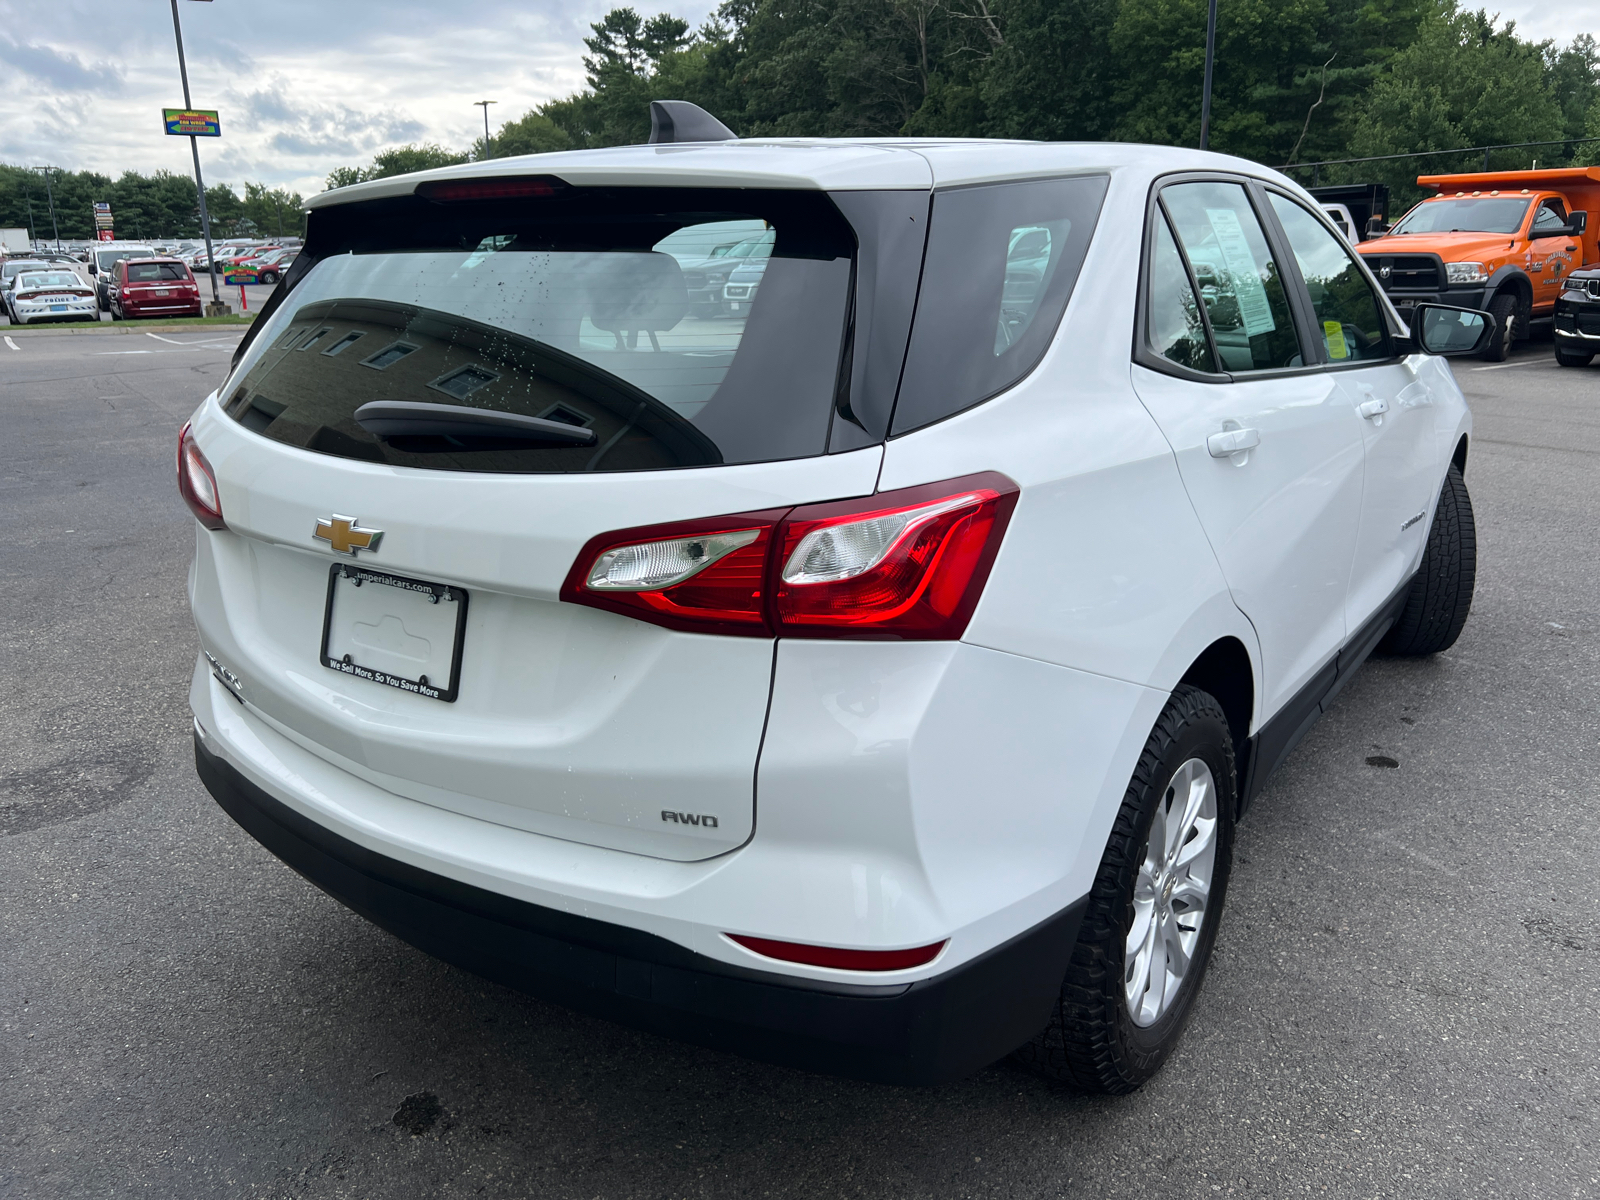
413, 418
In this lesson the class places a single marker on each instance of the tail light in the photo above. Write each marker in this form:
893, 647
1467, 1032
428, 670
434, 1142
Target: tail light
838, 956
707, 576
197, 484
907, 564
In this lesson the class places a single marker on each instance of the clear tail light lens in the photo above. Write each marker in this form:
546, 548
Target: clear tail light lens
707, 576
196, 483
908, 564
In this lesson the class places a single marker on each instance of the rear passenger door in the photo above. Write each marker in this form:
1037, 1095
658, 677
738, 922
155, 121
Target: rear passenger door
1269, 449
1393, 403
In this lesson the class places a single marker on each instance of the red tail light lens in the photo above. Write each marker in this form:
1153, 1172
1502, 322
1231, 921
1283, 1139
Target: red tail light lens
835, 956
707, 576
906, 564
196, 483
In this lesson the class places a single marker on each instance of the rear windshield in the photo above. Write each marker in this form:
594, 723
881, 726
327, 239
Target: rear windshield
608, 310
108, 258
52, 279
155, 272
1487, 214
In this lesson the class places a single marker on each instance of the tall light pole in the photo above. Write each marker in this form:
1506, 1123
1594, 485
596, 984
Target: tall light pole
50, 196
199, 183
484, 104
1211, 55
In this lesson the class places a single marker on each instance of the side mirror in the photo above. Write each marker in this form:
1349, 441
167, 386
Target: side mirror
92, 270
1450, 332
1577, 222
1376, 227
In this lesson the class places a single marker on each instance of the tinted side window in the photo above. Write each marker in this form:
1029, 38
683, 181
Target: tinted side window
1174, 327
1239, 282
1001, 264
1347, 311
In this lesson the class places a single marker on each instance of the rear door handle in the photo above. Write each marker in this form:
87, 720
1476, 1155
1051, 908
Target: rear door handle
1373, 408
1232, 441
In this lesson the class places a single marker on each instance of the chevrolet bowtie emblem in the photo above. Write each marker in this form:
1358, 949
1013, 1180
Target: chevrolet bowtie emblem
341, 533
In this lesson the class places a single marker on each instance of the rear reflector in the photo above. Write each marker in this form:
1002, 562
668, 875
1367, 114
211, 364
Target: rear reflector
196, 483
835, 956
909, 564
510, 188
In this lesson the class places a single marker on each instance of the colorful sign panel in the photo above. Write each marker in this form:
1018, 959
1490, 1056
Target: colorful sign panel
107, 236
192, 122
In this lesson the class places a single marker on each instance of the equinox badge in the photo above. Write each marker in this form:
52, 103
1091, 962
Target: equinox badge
341, 533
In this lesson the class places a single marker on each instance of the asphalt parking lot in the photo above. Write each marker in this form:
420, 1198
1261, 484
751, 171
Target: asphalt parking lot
1404, 1002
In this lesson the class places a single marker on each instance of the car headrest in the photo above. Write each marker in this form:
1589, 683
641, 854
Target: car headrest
637, 293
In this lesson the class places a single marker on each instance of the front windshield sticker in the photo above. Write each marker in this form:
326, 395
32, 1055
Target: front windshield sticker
1252, 296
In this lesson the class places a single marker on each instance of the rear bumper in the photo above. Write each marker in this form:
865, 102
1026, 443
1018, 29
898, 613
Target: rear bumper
929, 1031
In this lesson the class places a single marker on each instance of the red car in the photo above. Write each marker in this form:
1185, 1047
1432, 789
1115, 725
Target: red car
153, 287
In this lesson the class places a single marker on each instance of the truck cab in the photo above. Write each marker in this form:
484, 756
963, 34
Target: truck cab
1501, 241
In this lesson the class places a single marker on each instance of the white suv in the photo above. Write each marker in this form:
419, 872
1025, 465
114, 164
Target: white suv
869, 682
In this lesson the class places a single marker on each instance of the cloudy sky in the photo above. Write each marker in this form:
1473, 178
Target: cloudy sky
307, 85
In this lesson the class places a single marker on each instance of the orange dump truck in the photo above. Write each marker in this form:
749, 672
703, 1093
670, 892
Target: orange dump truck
1496, 240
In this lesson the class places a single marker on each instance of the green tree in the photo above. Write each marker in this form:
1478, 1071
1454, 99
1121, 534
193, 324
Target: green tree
401, 160
531, 133
1052, 74
1573, 75
1463, 82
275, 212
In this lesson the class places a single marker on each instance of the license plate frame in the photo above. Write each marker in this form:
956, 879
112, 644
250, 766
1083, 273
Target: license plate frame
440, 592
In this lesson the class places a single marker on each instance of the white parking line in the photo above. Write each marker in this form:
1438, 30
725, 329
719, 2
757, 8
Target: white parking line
169, 341
12, 344
1503, 366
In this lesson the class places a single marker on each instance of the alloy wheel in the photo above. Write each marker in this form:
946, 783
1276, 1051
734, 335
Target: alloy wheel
1172, 893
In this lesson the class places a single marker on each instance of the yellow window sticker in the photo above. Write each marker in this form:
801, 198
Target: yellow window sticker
1333, 334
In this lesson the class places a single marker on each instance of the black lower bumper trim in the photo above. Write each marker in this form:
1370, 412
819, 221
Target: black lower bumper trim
930, 1031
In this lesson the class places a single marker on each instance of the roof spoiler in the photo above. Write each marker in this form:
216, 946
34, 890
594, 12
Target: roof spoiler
680, 121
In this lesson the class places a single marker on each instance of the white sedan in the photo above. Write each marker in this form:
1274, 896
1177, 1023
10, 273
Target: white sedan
54, 295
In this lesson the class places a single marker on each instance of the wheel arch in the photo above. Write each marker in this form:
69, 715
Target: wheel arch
1224, 670
1513, 280
1458, 458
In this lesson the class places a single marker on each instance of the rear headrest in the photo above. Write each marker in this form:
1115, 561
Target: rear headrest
637, 292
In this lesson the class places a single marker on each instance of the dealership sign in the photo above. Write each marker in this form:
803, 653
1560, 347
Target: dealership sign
192, 122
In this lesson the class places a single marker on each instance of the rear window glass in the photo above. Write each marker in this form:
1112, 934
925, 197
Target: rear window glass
1001, 263
606, 310
52, 279
108, 258
155, 272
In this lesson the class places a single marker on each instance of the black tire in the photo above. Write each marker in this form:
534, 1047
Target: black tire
1567, 358
1441, 594
1504, 310
1092, 1041
268, 277
115, 315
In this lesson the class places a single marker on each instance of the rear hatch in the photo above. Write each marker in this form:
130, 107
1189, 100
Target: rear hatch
388, 584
